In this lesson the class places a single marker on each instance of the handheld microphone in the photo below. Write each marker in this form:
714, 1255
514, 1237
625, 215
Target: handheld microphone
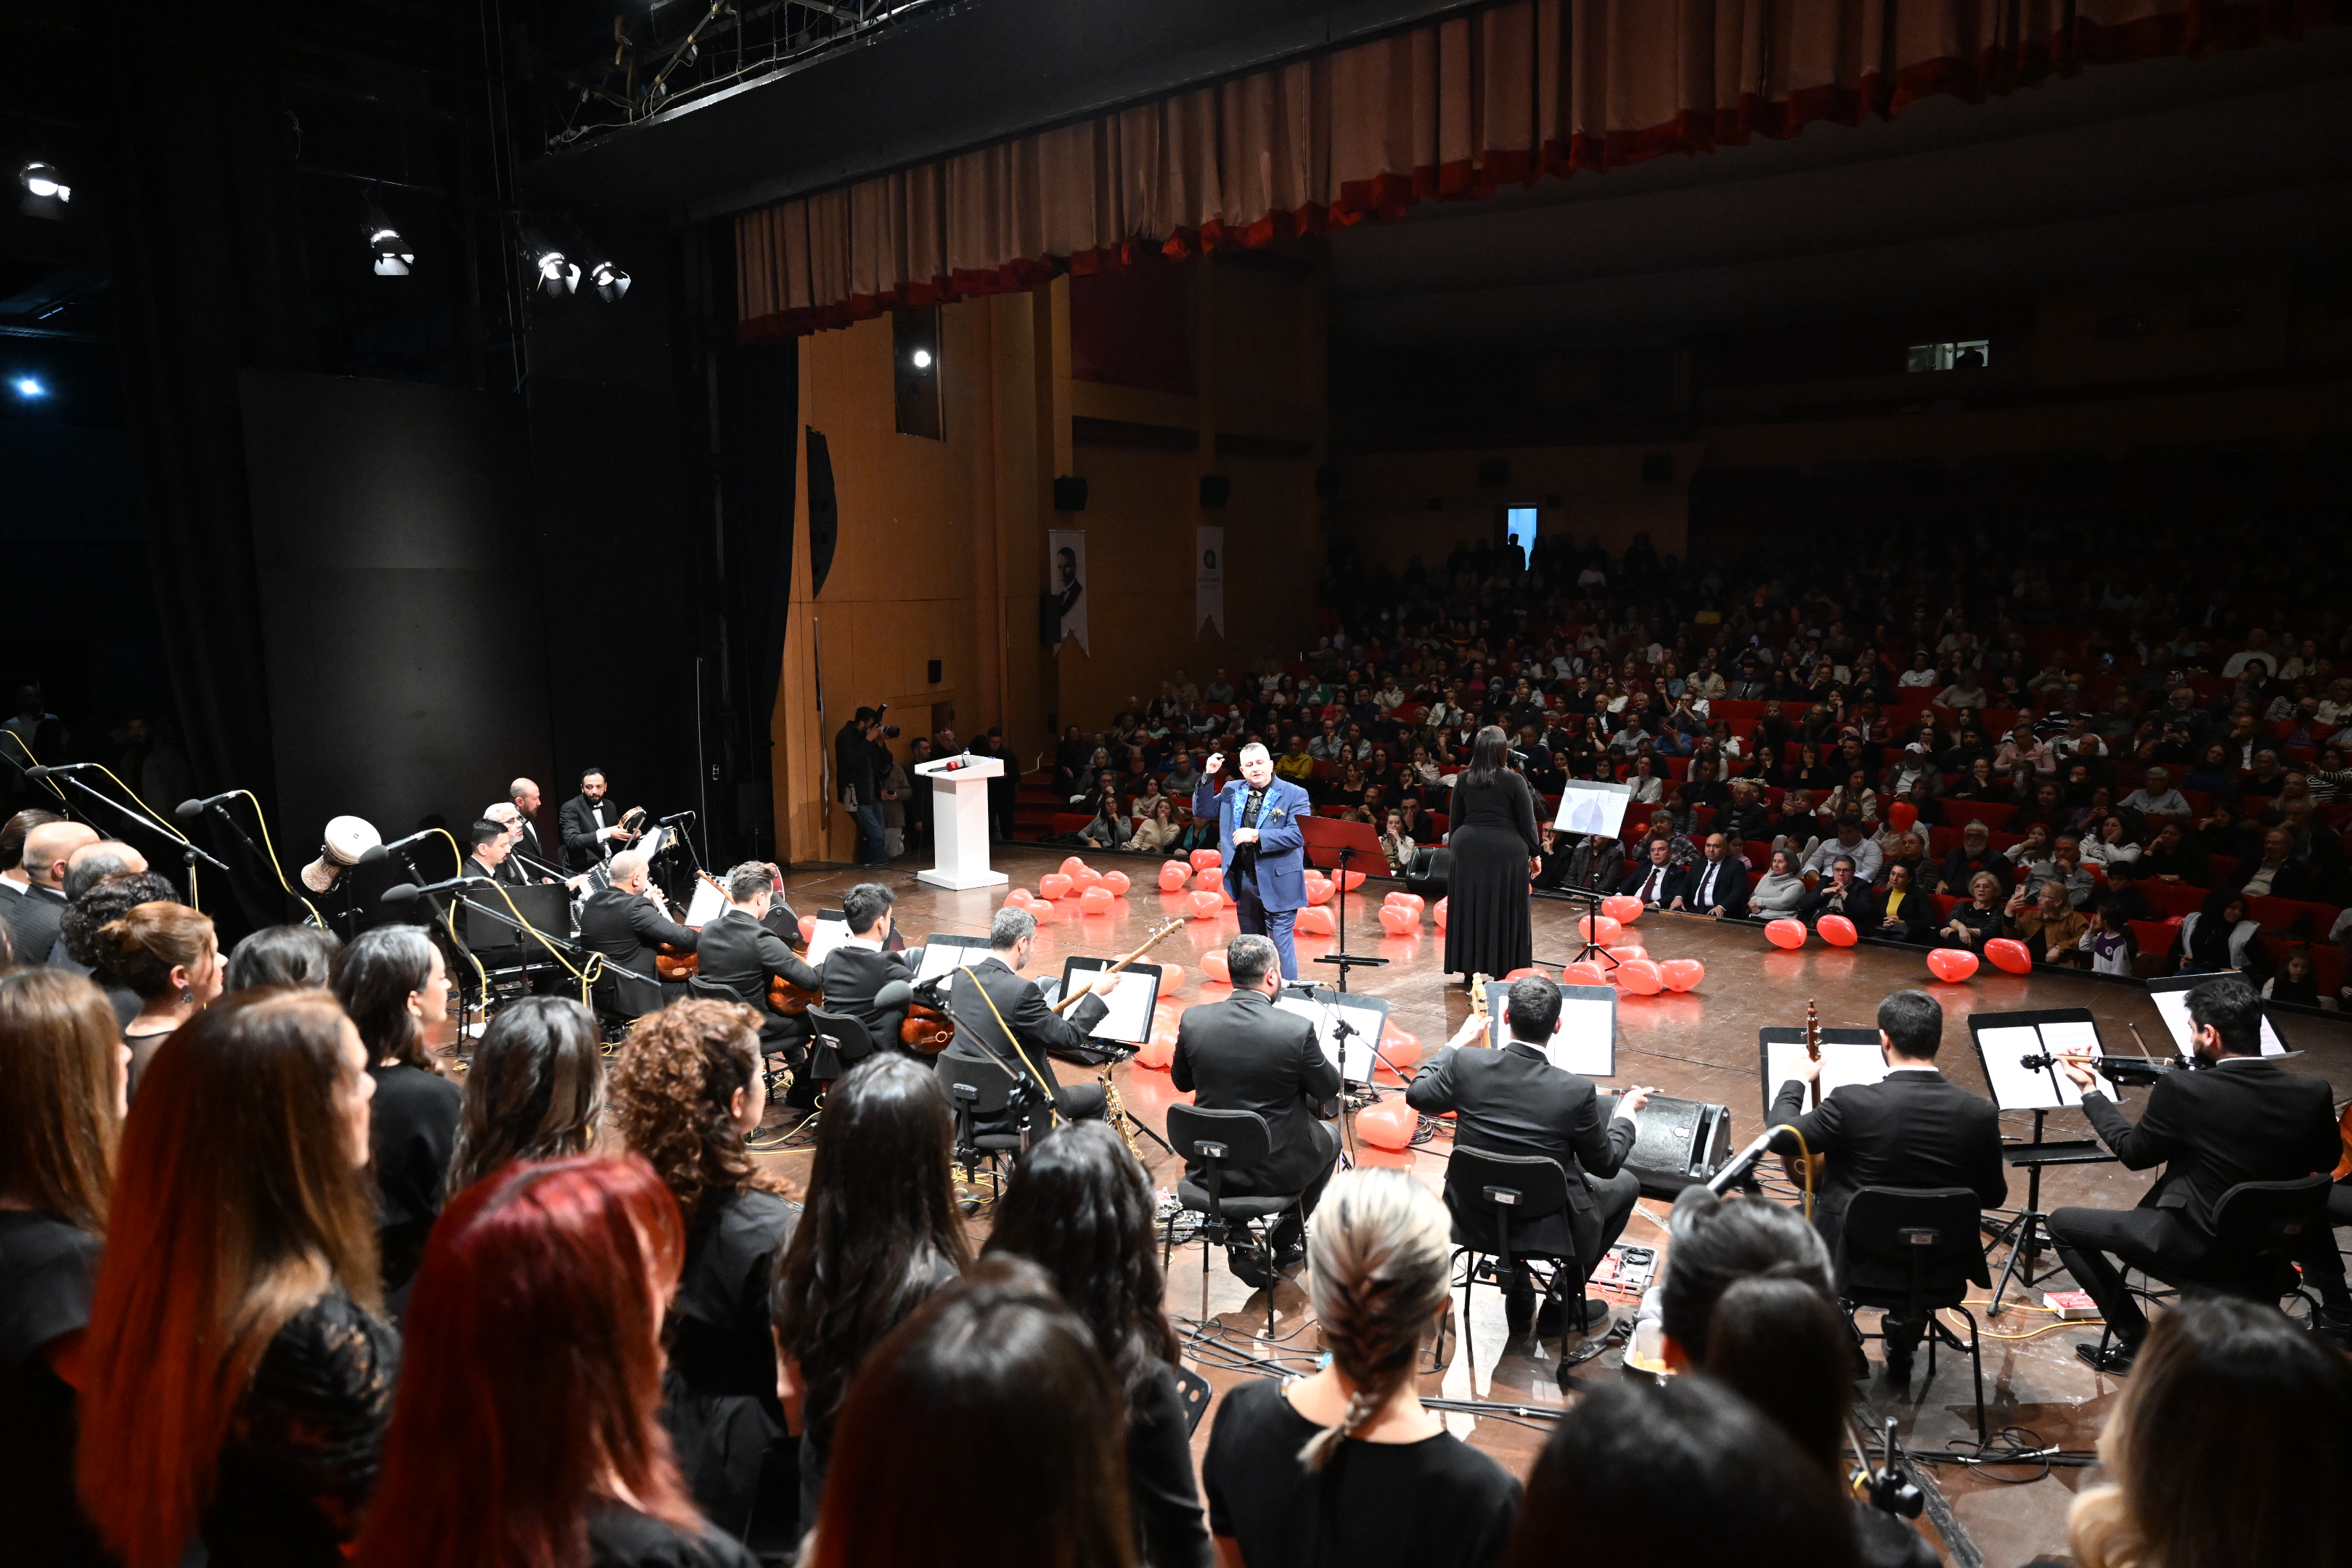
57, 768
405, 893
189, 810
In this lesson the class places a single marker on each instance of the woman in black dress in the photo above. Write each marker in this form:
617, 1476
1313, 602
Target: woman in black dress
393, 984
525, 1431
1496, 856
66, 1077
880, 1236
1081, 1209
1347, 1465
236, 1370
686, 1089
534, 1090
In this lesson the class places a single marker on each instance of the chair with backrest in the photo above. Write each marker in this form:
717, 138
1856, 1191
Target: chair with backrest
837, 1041
1220, 1142
2264, 1228
1930, 1235
1490, 1194
978, 1092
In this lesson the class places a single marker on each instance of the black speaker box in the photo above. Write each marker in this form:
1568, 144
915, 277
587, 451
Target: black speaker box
1677, 1142
1069, 493
1215, 490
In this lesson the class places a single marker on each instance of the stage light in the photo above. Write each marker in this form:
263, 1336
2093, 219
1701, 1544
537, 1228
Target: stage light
392, 256
45, 191
557, 273
29, 387
921, 358
609, 280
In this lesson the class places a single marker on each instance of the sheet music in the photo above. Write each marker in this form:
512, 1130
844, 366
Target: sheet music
706, 905
650, 845
2016, 1087
1356, 1065
1583, 1042
1592, 807
1844, 1063
944, 954
2172, 1003
1132, 991
832, 930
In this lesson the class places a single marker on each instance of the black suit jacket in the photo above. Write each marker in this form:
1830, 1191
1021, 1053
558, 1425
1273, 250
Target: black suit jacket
1918, 915
2241, 1121
741, 955
1245, 1054
1514, 1102
1674, 884
35, 917
625, 927
1730, 893
1914, 1128
529, 844
1861, 907
582, 847
2293, 881
1005, 1011
853, 976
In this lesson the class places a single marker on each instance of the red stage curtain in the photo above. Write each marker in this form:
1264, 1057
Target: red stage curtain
1457, 109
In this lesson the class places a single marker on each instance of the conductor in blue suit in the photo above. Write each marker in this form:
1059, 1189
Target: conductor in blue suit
1264, 849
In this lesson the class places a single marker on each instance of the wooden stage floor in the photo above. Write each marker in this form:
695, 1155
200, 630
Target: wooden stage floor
1699, 1046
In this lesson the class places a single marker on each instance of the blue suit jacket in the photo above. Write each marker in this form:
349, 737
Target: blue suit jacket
1281, 842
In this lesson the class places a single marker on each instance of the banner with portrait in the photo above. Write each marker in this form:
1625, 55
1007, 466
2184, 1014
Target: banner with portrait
1065, 584
1209, 578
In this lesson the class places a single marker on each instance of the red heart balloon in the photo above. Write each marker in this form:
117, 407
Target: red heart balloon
1083, 877
1440, 914
1390, 1124
1354, 879
1641, 977
1903, 815
1172, 975
1622, 908
1319, 890
1786, 932
1838, 930
1315, 921
1599, 929
1585, 974
1951, 965
2013, 956
808, 928
1117, 881
1209, 879
1072, 866
1399, 1050
1397, 921
1681, 973
1096, 902
1626, 952
1173, 875
1052, 885
1205, 906
1203, 858
1212, 965
1156, 1052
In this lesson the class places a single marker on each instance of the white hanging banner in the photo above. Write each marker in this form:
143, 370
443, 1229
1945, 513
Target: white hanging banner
1065, 583
1209, 578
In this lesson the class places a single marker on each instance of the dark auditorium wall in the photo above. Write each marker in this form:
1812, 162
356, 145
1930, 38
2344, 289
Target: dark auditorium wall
403, 647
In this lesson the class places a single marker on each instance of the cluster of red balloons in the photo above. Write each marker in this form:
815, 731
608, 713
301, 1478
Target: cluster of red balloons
1400, 914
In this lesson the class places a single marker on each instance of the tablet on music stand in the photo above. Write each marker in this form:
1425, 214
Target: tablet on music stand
1133, 991
944, 954
831, 931
1848, 1057
1593, 806
1367, 1018
2171, 998
1583, 1042
2004, 1039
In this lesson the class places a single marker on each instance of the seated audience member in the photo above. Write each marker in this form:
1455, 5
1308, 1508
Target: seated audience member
283, 955
2110, 844
2220, 936
2275, 873
1107, 827
2065, 865
1795, 828
1598, 865
1978, 919
1080, 1208
856, 972
1672, 1475
879, 1236
1905, 914
1718, 885
688, 1090
1780, 891
1843, 893
104, 903
1515, 1101
1311, 1471
167, 954
2109, 947
2051, 928
1913, 1128
1245, 1054
2172, 857
534, 1090
629, 921
1655, 879
999, 1356
394, 987
2123, 895
1157, 834
2260, 1412
2156, 798
2036, 845
1849, 841
237, 1373
2296, 981
1003, 1010
2245, 1120
1974, 853
533, 1370
1780, 1345
66, 1073
34, 916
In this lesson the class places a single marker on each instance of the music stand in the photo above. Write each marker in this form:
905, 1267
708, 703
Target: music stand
1332, 842
2015, 1087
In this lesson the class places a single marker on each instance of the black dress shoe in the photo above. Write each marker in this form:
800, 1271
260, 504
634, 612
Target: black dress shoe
1572, 1317
1898, 1365
1249, 1266
2116, 1360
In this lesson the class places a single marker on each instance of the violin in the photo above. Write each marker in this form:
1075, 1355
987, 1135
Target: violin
1805, 1170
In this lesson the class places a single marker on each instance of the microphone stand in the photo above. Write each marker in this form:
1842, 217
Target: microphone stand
189, 853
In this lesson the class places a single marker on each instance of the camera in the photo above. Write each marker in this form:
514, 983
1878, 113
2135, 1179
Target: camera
889, 732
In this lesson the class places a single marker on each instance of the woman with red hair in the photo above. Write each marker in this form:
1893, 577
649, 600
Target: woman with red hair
526, 1431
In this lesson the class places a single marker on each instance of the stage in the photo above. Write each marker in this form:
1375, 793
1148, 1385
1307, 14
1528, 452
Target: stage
1702, 1046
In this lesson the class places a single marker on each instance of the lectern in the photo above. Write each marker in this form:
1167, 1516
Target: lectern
960, 821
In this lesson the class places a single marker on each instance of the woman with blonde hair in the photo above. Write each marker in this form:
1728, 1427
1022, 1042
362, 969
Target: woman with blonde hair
1309, 1471
237, 1373
167, 956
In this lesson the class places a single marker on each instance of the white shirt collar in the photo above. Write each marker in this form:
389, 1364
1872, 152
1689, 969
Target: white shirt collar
868, 943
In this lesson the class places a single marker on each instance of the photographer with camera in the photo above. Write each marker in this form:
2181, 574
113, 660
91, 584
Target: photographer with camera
859, 761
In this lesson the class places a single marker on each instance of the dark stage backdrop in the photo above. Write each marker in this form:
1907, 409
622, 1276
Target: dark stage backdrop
401, 619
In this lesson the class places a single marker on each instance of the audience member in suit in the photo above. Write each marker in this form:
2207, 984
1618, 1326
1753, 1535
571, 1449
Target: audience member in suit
1515, 1101
1719, 884
1845, 893
856, 971
2240, 1120
34, 919
1242, 1054
591, 825
626, 921
998, 1013
1913, 1128
736, 950
1654, 881
1904, 914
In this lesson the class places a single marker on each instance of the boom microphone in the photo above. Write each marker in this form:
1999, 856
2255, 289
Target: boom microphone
57, 768
403, 894
189, 810
675, 818
1739, 1165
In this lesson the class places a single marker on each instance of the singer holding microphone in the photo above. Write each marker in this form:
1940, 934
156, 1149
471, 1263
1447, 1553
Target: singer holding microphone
1264, 847
1496, 854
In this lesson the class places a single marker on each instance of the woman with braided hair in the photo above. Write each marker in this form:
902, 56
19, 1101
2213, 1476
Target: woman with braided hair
1310, 1471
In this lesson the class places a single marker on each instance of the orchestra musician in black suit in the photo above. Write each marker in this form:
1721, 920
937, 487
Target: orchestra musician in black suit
489, 858
2239, 1118
523, 794
995, 1005
1913, 1128
592, 833
856, 971
1513, 1100
1245, 1054
736, 950
1718, 885
626, 921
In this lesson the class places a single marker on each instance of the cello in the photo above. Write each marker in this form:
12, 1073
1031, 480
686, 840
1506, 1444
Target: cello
673, 964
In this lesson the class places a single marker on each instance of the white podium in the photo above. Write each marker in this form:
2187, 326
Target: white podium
960, 821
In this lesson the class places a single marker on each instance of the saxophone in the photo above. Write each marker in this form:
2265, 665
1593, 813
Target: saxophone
1115, 1111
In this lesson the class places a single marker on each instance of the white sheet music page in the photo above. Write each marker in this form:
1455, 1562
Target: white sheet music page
828, 935
2079, 1038
1130, 995
2173, 1004
1841, 1064
1356, 1065
706, 905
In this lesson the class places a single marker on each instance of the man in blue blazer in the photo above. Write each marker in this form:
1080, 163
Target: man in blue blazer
1264, 849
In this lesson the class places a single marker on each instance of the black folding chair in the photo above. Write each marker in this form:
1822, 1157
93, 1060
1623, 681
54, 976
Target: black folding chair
1489, 1193
2264, 1229
1930, 1232
979, 1091
1218, 1142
